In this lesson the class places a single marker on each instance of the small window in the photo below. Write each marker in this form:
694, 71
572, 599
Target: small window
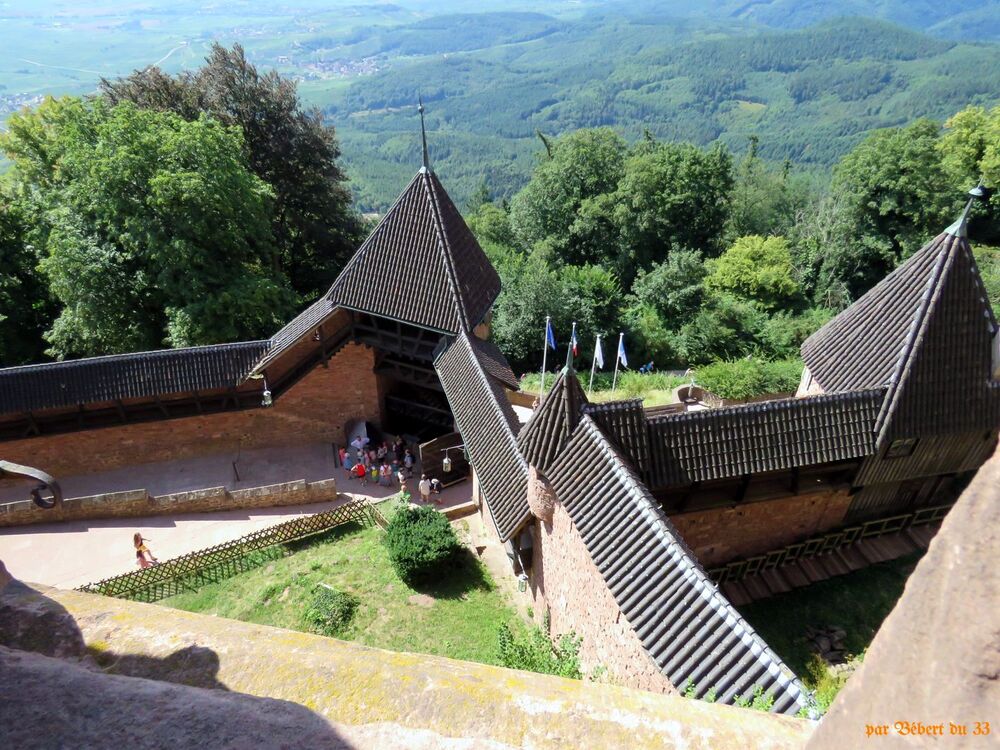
901, 448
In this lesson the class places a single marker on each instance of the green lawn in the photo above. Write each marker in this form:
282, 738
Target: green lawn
458, 616
857, 603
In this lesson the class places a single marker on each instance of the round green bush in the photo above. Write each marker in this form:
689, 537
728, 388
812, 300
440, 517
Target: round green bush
420, 540
330, 611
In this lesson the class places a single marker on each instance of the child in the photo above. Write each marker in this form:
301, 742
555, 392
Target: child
361, 473
141, 550
408, 462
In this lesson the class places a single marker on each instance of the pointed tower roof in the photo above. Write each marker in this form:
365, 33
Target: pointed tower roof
421, 265
925, 332
551, 425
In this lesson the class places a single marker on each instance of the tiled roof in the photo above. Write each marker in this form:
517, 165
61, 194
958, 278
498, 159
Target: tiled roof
126, 376
551, 424
687, 627
624, 424
865, 346
766, 436
421, 265
306, 321
943, 380
486, 421
494, 362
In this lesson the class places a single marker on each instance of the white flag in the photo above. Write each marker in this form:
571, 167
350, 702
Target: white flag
621, 352
598, 354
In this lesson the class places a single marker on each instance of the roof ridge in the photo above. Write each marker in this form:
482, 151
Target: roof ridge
361, 251
932, 292
123, 355
446, 251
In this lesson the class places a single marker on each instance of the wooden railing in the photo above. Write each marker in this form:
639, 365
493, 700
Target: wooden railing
826, 543
195, 569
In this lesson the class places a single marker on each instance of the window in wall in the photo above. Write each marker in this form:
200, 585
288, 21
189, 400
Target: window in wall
902, 447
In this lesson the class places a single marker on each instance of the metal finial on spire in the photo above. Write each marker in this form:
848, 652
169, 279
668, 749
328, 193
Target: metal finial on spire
960, 228
423, 132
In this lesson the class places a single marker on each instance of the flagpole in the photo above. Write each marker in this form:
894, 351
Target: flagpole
545, 354
618, 359
593, 366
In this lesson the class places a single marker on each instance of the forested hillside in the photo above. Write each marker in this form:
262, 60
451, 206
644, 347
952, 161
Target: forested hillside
811, 95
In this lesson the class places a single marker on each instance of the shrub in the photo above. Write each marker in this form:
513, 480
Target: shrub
759, 701
330, 611
420, 541
746, 378
530, 649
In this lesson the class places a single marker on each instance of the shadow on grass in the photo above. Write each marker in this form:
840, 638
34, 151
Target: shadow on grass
459, 576
331, 535
858, 602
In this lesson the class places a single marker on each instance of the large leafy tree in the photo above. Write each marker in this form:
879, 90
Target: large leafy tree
314, 227
151, 229
26, 309
897, 195
757, 269
557, 207
671, 196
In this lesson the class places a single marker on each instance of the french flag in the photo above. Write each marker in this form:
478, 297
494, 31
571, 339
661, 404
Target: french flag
572, 342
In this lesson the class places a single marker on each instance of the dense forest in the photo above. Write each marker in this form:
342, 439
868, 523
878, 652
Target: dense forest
210, 206
811, 94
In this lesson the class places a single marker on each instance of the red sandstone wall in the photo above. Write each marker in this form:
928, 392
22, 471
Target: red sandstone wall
316, 409
566, 582
720, 535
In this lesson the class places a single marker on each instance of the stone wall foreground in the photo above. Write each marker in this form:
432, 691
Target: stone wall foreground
110, 688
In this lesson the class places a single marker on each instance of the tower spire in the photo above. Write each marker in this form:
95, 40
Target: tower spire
423, 132
960, 228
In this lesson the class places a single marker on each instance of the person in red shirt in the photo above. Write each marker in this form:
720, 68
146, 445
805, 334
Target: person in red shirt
361, 473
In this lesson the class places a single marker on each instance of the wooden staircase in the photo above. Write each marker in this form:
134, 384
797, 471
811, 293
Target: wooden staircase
806, 571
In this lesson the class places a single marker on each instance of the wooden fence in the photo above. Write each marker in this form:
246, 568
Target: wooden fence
826, 543
195, 569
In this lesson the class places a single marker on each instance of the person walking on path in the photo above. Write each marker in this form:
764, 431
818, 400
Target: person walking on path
141, 550
408, 462
361, 473
425, 489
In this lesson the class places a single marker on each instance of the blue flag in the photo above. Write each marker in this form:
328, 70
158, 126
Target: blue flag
621, 352
550, 337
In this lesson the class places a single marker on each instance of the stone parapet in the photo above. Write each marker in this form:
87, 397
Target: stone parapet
366, 697
139, 503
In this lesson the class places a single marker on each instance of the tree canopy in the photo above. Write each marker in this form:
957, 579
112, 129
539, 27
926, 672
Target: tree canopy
150, 229
313, 225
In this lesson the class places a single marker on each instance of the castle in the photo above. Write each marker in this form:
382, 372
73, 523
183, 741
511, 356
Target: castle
617, 518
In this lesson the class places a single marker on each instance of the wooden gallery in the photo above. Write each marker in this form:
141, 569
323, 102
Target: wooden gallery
636, 529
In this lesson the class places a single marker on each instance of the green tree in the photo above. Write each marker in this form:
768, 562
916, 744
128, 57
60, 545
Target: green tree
970, 151
151, 229
313, 225
671, 196
757, 269
584, 165
26, 308
674, 288
898, 197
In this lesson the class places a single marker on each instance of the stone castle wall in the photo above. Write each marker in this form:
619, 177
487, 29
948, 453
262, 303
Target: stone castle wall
720, 535
566, 584
139, 503
316, 409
